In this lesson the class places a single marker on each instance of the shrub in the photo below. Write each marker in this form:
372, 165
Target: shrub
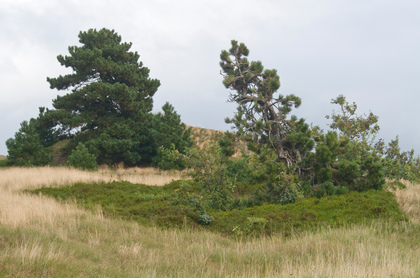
254, 226
4, 163
210, 173
227, 143
171, 158
81, 158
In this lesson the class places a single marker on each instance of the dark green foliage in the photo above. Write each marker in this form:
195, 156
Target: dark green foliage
209, 172
170, 158
337, 168
311, 213
30, 145
168, 133
148, 205
81, 158
399, 164
193, 204
244, 181
254, 226
348, 160
227, 143
45, 128
179, 204
26, 148
4, 163
262, 117
325, 189
357, 128
110, 101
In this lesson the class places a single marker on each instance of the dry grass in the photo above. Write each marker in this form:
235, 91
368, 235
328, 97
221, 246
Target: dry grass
40, 237
409, 200
17, 179
202, 137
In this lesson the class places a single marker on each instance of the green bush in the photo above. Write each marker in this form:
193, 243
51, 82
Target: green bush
4, 163
312, 213
209, 171
81, 158
171, 158
227, 143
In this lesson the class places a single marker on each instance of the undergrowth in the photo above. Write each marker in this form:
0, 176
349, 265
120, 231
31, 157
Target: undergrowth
179, 204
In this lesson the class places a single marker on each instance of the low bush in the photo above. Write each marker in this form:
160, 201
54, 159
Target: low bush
180, 203
4, 163
310, 213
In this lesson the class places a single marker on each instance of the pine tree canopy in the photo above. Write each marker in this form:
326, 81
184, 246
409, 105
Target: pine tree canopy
110, 99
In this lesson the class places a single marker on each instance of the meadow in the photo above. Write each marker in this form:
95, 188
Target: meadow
44, 237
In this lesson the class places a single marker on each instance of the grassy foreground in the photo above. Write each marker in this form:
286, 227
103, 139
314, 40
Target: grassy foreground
41, 237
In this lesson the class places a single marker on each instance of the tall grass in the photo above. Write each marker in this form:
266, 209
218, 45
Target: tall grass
40, 237
409, 200
17, 178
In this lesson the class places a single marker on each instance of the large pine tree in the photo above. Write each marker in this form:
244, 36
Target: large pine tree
109, 100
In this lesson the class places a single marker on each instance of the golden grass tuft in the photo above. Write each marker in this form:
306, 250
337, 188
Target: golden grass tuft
409, 200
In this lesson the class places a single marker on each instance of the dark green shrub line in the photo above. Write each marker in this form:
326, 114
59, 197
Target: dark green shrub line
180, 203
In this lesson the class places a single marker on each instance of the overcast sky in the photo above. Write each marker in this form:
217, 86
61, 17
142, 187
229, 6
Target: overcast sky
367, 50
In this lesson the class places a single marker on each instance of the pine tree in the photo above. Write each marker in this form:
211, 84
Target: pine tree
110, 99
262, 117
170, 132
26, 148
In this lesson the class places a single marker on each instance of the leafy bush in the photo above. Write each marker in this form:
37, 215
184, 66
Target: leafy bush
171, 158
209, 171
81, 158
